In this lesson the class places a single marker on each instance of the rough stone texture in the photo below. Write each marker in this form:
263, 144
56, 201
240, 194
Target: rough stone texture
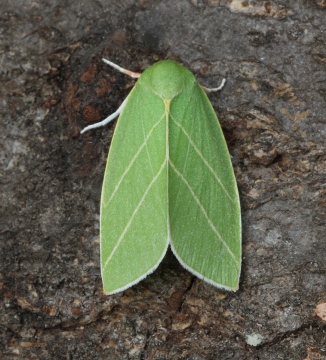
272, 110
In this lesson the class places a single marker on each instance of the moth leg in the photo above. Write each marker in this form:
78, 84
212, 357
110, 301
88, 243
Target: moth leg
132, 74
215, 89
106, 120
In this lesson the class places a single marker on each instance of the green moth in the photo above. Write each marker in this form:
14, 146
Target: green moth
168, 180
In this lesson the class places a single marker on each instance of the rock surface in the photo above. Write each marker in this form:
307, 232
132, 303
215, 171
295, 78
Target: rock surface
272, 111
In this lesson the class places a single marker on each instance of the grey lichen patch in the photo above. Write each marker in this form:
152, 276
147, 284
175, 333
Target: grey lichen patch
265, 8
254, 339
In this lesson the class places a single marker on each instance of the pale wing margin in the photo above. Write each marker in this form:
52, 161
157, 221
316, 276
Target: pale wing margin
126, 229
150, 271
209, 221
201, 276
134, 213
128, 223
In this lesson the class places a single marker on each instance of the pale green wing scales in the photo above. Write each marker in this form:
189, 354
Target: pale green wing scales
169, 178
204, 208
133, 225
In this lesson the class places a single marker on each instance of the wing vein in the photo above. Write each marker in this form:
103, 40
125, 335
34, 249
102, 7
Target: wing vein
204, 212
134, 213
133, 159
203, 159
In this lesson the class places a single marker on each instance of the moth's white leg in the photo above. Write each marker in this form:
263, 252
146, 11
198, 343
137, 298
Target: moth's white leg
107, 120
215, 89
134, 75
